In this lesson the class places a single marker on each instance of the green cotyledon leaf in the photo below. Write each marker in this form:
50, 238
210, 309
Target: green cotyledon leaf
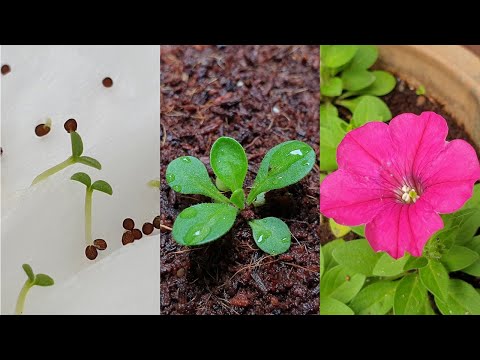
202, 223
271, 234
188, 175
283, 165
229, 162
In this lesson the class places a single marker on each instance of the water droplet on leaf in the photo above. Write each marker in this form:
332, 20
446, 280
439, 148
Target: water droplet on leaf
177, 188
296, 152
186, 159
196, 234
170, 178
188, 213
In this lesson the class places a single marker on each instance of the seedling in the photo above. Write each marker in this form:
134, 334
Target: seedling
77, 150
43, 129
421, 90
99, 185
283, 165
154, 183
32, 280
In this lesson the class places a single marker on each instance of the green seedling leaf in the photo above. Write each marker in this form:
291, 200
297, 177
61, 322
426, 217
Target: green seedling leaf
188, 175
28, 270
329, 306
370, 108
82, 178
462, 299
435, 278
322, 262
89, 161
271, 235
388, 266
238, 198
327, 250
383, 84
331, 132
410, 296
365, 57
43, 280
283, 165
220, 185
415, 263
328, 109
357, 79
359, 230
259, 200
229, 162
77, 144
421, 90
334, 56
202, 223
357, 255
102, 186
338, 230
332, 87
459, 257
474, 269
375, 299
341, 284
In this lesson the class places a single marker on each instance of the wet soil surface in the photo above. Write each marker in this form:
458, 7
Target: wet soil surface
261, 96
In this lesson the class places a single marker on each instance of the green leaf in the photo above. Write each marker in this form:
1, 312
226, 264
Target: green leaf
383, 84
338, 230
87, 160
357, 255
435, 278
462, 299
329, 261
331, 87
357, 79
102, 186
188, 175
271, 235
283, 165
462, 225
83, 178
474, 269
220, 185
77, 144
329, 306
238, 198
28, 270
202, 223
359, 230
229, 162
375, 299
322, 262
365, 57
388, 266
328, 109
43, 280
341, 283
331, 133
459, 257
421, 90
334, 56
415, 263
410, 296
474, 201
370, 108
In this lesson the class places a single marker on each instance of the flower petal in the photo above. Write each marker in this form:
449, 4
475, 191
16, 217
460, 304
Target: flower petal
448, 181
401, 228
351, 199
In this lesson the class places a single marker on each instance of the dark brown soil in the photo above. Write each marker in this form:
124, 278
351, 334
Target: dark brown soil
261, 96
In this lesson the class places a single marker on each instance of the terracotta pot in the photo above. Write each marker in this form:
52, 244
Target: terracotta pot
450, 74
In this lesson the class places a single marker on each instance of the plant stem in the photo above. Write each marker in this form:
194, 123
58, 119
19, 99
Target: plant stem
88, 217
53, 170
22, 296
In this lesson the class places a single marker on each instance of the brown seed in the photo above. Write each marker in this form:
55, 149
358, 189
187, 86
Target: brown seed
180, 272
147, 228
156, 222
42, 130
107, 82
127, 237
5, 69
91, 252
137, 234
128, 224
70, 125
100, 244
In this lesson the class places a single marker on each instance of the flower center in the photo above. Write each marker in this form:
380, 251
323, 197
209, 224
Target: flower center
409, 194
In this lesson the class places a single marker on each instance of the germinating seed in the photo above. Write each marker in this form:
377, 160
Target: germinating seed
42, 130
128, 224
5, 69
70, 125
147, 228
91, 252
137, 234
156, 222
100, 244
127, 237
107, 82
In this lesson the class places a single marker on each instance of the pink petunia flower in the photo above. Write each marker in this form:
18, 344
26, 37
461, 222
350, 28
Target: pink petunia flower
397, 178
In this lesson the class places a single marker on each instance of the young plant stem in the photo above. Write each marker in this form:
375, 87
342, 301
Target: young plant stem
88, 217
22, 296
53, 170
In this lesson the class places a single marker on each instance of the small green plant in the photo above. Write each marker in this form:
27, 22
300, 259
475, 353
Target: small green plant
32, 280
346, 81
154, 183
421, 90
283, 165
99, 185
76, 157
